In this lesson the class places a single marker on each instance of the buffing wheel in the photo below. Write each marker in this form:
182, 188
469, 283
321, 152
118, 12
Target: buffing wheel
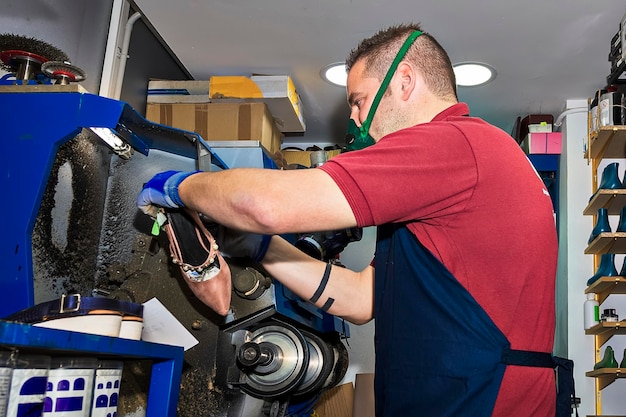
24, 55
63, 72
278, 363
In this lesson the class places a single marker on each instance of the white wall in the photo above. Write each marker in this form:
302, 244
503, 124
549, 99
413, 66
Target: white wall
575, 267
356, 256
78, 28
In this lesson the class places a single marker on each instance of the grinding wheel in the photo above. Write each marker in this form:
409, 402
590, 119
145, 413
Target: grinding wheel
273, 360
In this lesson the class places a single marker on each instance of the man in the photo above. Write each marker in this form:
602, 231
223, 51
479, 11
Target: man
465, 264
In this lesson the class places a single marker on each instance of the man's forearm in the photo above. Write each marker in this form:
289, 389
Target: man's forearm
268, 201
349, 293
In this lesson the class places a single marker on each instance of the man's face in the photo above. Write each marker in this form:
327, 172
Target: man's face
362, 90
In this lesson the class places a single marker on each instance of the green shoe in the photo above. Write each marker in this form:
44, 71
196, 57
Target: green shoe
622, 364
608, 361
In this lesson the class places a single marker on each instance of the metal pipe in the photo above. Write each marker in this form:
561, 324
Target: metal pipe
124, 54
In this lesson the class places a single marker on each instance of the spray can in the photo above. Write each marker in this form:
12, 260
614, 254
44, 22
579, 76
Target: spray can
591, 309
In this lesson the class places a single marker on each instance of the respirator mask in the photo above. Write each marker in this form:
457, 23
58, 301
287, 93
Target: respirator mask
359, 137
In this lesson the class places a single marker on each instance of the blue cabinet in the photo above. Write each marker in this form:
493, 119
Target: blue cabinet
167, 361
35, 121
547, 166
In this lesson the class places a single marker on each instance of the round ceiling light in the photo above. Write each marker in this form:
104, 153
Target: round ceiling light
472, 74
335, 74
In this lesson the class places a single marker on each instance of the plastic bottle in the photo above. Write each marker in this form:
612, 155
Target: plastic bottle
591, 309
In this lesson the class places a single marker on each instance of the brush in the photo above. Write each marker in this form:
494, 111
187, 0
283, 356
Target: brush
24, 55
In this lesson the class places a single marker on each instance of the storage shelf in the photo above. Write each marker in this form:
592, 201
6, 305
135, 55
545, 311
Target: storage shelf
604, 286
605, 330
607, 142
167, 360
606, 376
604, 415
612, 200
607, 242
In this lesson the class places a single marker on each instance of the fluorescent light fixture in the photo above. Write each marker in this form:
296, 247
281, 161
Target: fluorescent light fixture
335, 74
472, 74
116, 143
468, 74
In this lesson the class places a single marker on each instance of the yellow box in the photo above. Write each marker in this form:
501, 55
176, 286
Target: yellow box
278, 92
220, 121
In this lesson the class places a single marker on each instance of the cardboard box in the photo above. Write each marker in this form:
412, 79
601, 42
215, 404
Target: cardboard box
363, 405
336, 402
540, 128
293, 157
221, 121
545, 143
173, 91
277, 91
522, 124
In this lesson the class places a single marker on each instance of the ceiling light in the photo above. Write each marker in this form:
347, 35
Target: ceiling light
335, 74
471, 74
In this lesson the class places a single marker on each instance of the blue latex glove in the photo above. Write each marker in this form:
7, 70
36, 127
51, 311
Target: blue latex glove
162, 191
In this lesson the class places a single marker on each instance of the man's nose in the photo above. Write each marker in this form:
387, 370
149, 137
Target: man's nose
354, 115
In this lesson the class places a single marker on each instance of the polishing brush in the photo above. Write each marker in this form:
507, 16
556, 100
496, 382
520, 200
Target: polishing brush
62, 72
24, 55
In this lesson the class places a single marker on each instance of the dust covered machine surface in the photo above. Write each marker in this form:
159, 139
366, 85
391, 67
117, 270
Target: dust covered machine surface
75, 162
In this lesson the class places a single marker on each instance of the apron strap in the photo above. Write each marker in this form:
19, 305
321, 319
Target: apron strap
527, 358
566, 401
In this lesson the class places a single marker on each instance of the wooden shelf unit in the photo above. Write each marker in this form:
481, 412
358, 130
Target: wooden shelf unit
605, 142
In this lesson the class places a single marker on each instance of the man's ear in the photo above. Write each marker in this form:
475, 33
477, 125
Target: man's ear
407, 77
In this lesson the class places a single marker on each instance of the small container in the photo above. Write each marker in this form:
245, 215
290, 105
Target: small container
611, 108
609, 315
593, 110
591, 310
106, 389
28, 385
7, 363
70, 387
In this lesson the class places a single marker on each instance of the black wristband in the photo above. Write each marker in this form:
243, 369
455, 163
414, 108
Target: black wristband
322, 285
327, 304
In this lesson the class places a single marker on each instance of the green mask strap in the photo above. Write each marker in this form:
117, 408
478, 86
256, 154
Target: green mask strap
359, 138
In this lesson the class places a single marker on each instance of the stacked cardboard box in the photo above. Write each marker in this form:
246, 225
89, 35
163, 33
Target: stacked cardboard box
276, 91
221, 121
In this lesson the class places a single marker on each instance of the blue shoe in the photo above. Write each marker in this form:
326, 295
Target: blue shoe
606, 268
610, 180
602, 224
621, 226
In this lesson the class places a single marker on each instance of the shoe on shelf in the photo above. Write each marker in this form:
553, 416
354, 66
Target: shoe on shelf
602, 224
608, 361
606, 268
609, 180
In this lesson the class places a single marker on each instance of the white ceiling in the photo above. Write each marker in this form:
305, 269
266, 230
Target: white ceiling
545, 51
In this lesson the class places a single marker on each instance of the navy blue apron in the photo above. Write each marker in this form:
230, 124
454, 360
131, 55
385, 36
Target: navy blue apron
438, 353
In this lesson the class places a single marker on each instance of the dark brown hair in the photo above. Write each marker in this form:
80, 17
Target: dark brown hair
426, 54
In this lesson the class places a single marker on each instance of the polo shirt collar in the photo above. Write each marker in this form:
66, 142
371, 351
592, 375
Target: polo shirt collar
458, 109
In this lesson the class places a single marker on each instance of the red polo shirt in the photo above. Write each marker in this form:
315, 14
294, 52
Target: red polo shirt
475, 201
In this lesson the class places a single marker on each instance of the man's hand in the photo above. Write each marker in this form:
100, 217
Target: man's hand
162, 191
236, 244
